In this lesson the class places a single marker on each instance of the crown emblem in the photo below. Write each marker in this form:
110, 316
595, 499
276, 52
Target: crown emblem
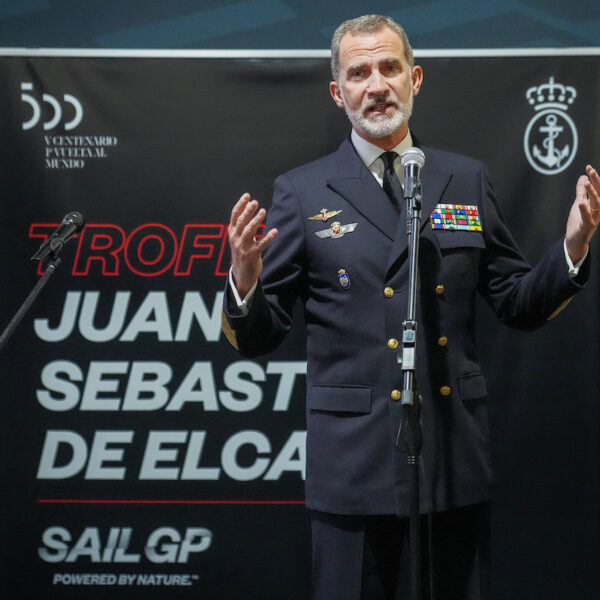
551, 139
551, 95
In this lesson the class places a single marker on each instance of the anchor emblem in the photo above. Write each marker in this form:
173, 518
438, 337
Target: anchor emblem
553, 156
550, 140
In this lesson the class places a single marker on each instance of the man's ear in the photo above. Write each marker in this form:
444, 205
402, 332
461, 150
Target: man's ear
334, 90
417, 79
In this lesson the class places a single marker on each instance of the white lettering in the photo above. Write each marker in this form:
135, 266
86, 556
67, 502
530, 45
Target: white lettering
67, 321
155, 304
229, 456
155, 453
54, 439
201, 373
115, 322
234, 381
99, 454
146, 388
194, 306
53, 382
96, 384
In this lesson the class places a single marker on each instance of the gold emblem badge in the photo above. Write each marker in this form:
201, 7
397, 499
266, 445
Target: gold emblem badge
324, 214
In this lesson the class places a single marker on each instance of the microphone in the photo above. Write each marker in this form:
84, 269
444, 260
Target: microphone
413, 161
72, 223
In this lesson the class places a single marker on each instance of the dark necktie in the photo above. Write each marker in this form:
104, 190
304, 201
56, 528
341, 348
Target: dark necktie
391, 183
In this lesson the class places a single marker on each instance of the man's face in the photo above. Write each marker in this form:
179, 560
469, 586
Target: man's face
376, 86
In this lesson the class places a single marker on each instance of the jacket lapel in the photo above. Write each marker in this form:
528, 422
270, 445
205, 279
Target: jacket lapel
356, 184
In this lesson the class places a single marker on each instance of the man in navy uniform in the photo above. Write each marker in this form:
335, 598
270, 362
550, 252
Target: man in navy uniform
334, 239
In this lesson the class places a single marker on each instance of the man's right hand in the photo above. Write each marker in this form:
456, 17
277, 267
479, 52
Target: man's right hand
246, 250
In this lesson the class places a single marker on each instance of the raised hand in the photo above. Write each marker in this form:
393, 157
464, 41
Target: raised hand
584, 215
246, 250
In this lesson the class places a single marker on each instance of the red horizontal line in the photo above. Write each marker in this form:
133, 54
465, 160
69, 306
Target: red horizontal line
213, 502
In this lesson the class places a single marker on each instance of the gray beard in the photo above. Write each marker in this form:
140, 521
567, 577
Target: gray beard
382, 125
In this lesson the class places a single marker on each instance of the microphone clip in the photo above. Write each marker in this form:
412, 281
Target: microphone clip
72, 224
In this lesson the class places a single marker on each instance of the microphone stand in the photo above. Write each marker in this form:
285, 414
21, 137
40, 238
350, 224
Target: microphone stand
49, 250
27, 304
410, 434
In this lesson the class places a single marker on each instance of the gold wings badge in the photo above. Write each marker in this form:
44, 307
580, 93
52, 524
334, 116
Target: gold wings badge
324, 214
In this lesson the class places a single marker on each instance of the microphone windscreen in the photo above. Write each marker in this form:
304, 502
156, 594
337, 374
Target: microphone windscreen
76, 218
413, 156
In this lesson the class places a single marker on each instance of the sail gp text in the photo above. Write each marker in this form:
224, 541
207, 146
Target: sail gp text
115, 545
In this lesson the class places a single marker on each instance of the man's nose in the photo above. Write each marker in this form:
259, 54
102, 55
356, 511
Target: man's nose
377, 84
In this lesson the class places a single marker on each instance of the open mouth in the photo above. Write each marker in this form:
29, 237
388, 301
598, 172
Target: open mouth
379, 108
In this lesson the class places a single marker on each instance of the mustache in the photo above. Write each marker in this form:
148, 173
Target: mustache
371, 102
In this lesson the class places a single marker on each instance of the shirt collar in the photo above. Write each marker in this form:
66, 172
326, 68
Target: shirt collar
369, 153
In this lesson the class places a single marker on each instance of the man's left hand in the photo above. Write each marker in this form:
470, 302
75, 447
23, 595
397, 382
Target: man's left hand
584, 216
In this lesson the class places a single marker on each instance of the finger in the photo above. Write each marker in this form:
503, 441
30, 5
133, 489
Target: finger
589, 205
245, 217
594, 177
587, 215
581, 189
267, 239
239, 207
252, 226
594, 197
593, 187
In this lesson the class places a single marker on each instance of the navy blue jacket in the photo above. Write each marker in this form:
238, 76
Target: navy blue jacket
353, 379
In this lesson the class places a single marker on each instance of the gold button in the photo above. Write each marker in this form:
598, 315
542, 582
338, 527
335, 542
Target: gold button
442, 341
396, 395
392, 343
439, 289
388, 291
445, 390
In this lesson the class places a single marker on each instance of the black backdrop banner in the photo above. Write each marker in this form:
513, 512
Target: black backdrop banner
141, 456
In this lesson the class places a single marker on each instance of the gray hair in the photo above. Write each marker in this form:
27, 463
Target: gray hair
362, 25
